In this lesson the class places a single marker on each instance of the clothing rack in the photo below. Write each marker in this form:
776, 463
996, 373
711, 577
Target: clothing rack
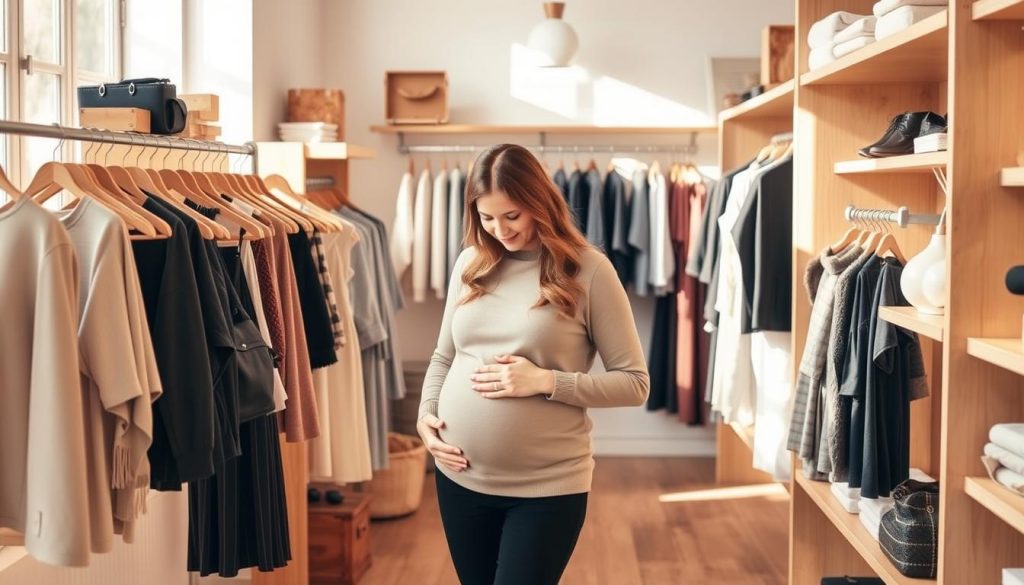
125, 138
900, 216
316, 183
544, 148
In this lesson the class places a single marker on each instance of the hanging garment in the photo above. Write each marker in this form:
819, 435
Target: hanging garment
403, 230
562, 182
344, 455
661, 363
300, 420
317, 248
252, 275
439, 236
691, 339
316, 319
265, 272
119, 374
595, 233
421, 238
618, 203
662, 270
639, 235
183, 425
42, 438
456, 205
578, 199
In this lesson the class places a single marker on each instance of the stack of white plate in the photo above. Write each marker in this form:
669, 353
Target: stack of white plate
308, 132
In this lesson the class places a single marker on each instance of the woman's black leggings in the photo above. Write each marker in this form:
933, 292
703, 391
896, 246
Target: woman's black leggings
498, 540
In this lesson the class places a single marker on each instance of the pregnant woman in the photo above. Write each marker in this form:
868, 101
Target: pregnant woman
505, 397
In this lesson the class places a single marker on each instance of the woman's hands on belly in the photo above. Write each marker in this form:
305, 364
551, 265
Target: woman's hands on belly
512, 377
445, 454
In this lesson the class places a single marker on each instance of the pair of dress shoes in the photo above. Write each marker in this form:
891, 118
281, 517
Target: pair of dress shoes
332, 497
903, 129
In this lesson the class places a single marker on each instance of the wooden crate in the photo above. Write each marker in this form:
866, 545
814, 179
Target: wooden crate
777, 57
339, 540
116, 119
416, 97
202, 106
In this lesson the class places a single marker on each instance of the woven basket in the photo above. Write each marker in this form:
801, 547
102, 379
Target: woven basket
398, 490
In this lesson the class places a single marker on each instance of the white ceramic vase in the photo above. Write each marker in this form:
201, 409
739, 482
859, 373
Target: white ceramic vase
927, 298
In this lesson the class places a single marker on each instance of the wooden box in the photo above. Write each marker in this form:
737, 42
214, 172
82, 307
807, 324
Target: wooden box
117, 119
318, 105
202, 106
416, 97
339, 541
777, 54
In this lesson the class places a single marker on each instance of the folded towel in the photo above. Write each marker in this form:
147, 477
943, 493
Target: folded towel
824, 30
850, 504
1013, 576
860, 27
1005, 457
1009, 436
883, 7
871, 522
1010, 479
843, 49
821, 56
902, 19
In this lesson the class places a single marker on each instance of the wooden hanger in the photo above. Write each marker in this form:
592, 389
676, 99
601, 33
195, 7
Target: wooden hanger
294, 221
888, 245
292, 199
149, 180
178, 182
54, 177
7, 186
264, 194
848, 238
133, 200
242, 190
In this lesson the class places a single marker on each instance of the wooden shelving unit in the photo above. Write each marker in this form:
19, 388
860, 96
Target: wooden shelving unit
851, 530
1005, 353
917, 54
337, 151
930, 326
973, 357
773, 103
10, 537
534, 129
998, 10
1012, 177
909, 163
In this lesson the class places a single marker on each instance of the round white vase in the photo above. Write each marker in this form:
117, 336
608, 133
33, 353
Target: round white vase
912, 282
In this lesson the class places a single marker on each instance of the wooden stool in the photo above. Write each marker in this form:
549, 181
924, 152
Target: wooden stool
339, 541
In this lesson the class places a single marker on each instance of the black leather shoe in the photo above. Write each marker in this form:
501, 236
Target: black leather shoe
885, 136
933, 124
899, 139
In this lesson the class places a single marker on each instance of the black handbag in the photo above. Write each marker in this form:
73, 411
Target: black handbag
167, 113
909, 534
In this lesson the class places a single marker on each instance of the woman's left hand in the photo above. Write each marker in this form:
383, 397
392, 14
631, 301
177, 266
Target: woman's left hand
512, 377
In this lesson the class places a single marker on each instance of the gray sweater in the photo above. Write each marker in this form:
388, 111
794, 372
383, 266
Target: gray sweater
537, 446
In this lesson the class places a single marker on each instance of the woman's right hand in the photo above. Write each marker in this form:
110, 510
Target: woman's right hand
445, 454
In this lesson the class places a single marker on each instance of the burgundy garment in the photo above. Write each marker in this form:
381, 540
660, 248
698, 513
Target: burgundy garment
271, 299
692, 342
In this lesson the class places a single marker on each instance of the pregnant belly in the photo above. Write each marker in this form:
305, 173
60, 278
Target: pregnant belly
509, 436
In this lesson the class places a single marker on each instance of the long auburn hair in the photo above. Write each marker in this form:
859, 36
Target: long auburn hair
514, 170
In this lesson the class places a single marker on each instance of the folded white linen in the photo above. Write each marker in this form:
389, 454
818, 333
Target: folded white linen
1005, 457
861, 26
1009, 436
883, 7
1013, 576
843, 49
823, 31
821, 56
902, 19
850, 504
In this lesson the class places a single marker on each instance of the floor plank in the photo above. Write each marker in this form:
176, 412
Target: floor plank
697, 533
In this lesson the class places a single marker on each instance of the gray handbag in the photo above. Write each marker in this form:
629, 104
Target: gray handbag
909, 534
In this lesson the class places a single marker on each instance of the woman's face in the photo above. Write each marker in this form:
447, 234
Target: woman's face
507, 222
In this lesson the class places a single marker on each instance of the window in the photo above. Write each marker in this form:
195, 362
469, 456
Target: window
47, 49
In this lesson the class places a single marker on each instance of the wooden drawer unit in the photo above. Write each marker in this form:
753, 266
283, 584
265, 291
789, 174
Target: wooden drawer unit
339, 541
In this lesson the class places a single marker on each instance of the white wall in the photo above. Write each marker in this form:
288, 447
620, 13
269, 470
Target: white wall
641, 62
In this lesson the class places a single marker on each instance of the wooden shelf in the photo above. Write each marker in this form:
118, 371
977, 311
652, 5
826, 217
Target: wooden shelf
746, 434
1006, 353
908, 318
917, 54
1000, 501
1012, 177
908, 163
550, 129
850, 527
774, 103
337, 151
10, 537
998, 10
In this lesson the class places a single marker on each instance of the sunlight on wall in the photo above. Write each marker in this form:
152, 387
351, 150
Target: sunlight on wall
617, 103
771, 491
555, 89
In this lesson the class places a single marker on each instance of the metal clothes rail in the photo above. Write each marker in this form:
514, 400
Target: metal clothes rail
690, 148
900, 216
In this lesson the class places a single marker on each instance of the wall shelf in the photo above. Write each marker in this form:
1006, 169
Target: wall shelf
917, 54
997, 499
909, 163
776, 102
1007, 353
850, 527
549, 129
1012, 177
909, 318
998, 10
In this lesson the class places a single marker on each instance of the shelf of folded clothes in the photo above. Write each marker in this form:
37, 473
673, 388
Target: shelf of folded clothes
932, 326
853, 530
774, 103
998, 10
1007, 353
1012, 177
997, 499
905, 44
907, 163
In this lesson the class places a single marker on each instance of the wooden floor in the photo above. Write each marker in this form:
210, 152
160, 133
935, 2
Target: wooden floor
650, 522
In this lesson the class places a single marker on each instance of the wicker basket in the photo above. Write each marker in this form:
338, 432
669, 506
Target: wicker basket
398, 490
